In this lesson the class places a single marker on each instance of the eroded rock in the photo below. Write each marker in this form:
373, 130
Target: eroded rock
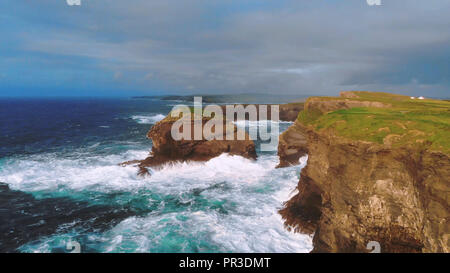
292, 145
353, 192
166, 149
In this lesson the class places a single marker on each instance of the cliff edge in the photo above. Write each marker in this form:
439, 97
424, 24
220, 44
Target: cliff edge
378, 170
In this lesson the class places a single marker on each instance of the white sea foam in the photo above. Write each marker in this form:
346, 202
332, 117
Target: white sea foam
303, 161
47, 172
148, 119
251, 192
253, 224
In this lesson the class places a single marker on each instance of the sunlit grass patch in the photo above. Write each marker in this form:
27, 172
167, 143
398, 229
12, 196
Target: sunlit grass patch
405, 122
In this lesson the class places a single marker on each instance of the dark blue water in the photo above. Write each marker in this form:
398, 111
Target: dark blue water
60, 181
30, 126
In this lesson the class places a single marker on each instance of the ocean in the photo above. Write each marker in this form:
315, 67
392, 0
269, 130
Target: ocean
60, 182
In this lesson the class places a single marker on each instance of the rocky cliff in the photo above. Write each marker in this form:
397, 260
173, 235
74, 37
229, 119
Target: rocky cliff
287, 112
166, 150
355, 190
292, 145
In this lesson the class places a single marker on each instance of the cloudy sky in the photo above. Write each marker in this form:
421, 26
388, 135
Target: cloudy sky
147, 47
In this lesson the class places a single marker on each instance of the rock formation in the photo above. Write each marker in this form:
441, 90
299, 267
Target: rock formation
289, 111
354, 191
166, 150
292, 145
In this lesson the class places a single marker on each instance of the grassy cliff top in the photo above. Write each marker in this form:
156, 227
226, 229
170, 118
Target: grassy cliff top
391, 119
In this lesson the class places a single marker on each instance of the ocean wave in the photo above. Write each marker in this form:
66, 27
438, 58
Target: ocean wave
303, 161
228, 203
148, 119
56, 174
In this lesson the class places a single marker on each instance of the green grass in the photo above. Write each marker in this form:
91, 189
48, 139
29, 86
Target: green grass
405, 122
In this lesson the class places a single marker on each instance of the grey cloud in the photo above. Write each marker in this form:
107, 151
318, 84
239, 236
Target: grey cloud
297, 47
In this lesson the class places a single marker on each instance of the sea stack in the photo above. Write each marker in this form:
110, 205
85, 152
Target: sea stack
166, 149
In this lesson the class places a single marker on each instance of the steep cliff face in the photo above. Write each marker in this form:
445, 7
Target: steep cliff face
289, 112
292, 145
355, 191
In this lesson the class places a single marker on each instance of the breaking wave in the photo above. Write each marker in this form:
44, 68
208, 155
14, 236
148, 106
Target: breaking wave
228, 203
148, 119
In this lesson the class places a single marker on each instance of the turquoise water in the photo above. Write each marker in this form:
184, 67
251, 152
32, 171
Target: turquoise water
65, 185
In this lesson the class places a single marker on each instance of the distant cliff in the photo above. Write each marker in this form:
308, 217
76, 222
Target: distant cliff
287, 112
378, 170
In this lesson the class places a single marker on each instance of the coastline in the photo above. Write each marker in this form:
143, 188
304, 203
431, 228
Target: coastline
356, 191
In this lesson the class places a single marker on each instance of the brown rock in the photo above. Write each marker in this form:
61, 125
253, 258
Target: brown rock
287, 112
292, 144
353, 192
167, 150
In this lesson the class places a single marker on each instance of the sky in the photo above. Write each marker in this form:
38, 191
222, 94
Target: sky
154, 47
